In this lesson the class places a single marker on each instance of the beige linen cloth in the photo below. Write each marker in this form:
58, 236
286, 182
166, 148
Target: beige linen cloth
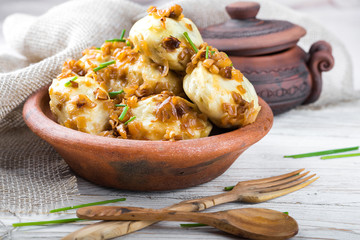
33, 177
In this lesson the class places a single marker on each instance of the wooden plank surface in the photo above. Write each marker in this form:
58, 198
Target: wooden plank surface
327, 209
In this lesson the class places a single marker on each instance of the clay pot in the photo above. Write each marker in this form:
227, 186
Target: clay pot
139, 164
265, 51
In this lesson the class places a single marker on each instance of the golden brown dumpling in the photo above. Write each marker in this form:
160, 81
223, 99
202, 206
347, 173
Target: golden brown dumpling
160, 37
144, 77
81, 104
227, 102
165, 117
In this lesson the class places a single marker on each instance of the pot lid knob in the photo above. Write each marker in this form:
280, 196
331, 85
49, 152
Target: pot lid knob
243, 10
246, 35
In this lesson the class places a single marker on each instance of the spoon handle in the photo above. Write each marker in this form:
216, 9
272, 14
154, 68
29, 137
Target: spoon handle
112, 229
136, 213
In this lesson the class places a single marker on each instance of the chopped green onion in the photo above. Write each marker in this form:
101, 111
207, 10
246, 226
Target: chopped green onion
229, 188
87, 204
98, 48
212, 52
122, 34
128, 43
131, 119
341, 156
287, 213
123, 113
186, 35
231, 64
115, 40
121, 39
113, 94
68, 83
59, 221
207, 52
120, 105
312, 154
186, 225
104, 65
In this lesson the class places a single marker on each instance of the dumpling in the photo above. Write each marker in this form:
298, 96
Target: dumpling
161, 117
142, 77
220, 91
80, 103
127, 69
160, 37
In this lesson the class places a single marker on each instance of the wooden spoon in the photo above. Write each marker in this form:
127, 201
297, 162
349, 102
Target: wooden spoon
252, 223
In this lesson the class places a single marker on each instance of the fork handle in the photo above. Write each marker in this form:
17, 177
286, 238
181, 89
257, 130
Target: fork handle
201, 204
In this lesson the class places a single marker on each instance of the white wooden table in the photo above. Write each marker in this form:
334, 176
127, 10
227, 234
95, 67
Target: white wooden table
327, 209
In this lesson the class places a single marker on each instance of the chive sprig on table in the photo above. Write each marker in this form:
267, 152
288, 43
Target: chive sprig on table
67, 220
187, 225
186, 35
341, 156
320, 153
104, 65
228, 188
87, 205
58, 221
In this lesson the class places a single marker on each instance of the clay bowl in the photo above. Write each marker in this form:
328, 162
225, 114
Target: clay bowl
143, 165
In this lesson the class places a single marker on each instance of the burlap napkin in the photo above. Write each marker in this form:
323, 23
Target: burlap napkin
33, 177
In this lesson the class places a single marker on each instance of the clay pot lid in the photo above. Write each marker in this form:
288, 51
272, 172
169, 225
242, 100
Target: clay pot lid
245, 35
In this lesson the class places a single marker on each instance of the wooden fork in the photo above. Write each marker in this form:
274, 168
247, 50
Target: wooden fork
253, 191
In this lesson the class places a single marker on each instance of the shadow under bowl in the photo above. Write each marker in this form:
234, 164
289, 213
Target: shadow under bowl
139, 164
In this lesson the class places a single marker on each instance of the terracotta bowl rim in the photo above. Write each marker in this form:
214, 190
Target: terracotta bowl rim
46, 128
